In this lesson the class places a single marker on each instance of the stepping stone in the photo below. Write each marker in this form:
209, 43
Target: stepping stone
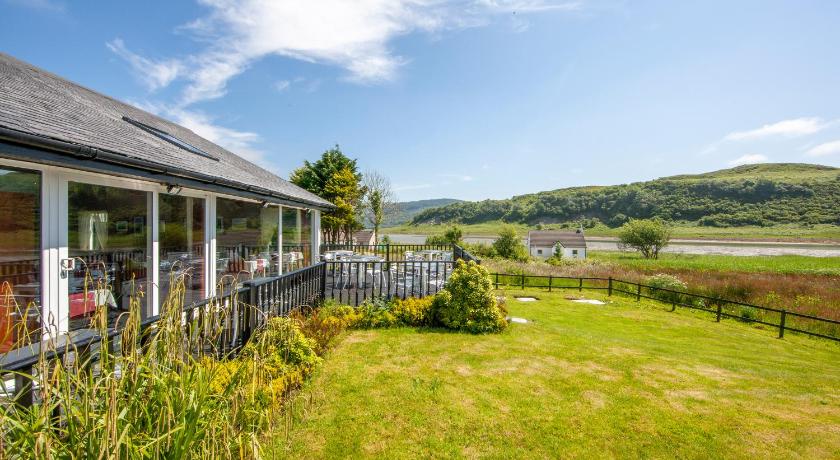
590, 301
526, 299
514, 319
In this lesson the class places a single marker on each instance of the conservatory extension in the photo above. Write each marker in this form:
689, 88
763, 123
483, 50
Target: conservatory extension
95, 189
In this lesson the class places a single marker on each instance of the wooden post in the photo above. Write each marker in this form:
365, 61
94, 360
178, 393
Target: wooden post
609, 287
523, 281
638, 292
782, 324
497, 280
719, 311
550, 278
580, 284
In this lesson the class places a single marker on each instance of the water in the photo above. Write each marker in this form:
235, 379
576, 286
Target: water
732, 248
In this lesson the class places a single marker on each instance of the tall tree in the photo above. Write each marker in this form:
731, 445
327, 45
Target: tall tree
379, 199
336, 178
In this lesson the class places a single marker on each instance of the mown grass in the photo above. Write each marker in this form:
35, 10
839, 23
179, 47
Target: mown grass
751, 264
822, 232
622, 380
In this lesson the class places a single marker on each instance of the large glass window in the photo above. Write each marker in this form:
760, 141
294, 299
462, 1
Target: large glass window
181, 237
297, 239
108, 237
246, 239
20, 257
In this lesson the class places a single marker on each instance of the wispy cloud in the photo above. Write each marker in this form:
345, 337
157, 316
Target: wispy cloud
52, 6
458, 177
403, 188
153, 74
241, 142
825, 149
282, 85
239, 33
786, 128
748, 159
354, 36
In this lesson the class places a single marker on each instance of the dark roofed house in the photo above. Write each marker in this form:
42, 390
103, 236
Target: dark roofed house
544, 243
89, 182
364, 237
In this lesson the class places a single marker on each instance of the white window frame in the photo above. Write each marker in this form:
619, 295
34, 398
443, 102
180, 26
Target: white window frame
54, 233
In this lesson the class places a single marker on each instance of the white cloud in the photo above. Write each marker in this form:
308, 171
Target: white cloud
786, 128
352, 35
458, 177
828, 148
748, 159
44, 5
154, 74
240, 142
403, 188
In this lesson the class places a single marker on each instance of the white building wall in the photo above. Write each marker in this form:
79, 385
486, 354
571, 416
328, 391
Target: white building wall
544, 252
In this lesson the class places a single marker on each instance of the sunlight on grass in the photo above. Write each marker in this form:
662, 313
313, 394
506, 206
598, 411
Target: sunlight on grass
579, 380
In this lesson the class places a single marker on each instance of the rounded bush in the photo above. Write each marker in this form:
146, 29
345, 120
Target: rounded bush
467, 302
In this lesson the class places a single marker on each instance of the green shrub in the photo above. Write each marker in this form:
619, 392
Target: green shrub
281, 341
664, 281
467, 302
509, 245
413, 311
375, 313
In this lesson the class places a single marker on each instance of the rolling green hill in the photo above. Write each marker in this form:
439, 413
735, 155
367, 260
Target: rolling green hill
406, 210
749, 195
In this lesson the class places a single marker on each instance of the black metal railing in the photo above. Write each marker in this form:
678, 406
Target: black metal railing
235, 315
460, 253
353, 283
778, 318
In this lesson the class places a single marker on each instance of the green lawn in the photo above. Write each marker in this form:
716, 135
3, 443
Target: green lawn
777, 232
622, 380
751, 264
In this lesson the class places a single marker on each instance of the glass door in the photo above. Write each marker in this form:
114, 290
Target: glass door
109, 241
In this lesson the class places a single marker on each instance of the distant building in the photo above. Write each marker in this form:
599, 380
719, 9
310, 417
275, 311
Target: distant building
542, 243
364, 237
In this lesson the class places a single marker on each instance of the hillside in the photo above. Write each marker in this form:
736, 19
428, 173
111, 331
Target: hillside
762, 194
407, 210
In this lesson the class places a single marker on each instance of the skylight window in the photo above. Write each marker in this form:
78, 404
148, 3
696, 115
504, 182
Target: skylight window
171, 139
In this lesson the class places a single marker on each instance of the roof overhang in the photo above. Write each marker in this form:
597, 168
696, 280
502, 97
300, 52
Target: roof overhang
21, 146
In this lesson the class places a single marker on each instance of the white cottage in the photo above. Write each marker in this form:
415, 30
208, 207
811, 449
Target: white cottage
543, 244
90, 185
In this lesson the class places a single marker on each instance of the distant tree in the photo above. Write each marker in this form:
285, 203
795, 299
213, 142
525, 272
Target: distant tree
335, 178
509, 244
379, 199
452, 235
648, 236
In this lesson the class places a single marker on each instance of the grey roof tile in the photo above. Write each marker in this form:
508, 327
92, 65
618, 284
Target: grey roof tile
44, 104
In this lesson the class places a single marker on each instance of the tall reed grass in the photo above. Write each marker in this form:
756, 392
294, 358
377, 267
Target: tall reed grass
163, 392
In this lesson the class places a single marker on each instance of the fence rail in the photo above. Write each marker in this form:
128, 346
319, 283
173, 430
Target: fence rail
354, 282
779, 318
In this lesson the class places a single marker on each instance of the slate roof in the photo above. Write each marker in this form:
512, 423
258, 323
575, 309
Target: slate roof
549, 238
363, 237
37, 102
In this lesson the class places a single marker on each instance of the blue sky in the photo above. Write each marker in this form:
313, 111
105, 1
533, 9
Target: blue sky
468, 99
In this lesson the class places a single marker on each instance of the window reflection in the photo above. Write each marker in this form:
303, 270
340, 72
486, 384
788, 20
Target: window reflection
246, 239
108, 236
297, 246
181, 237
20, 259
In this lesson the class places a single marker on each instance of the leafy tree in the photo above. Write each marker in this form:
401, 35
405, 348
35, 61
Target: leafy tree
509, 244
647, 236
379, 199
335, 178
452, 235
